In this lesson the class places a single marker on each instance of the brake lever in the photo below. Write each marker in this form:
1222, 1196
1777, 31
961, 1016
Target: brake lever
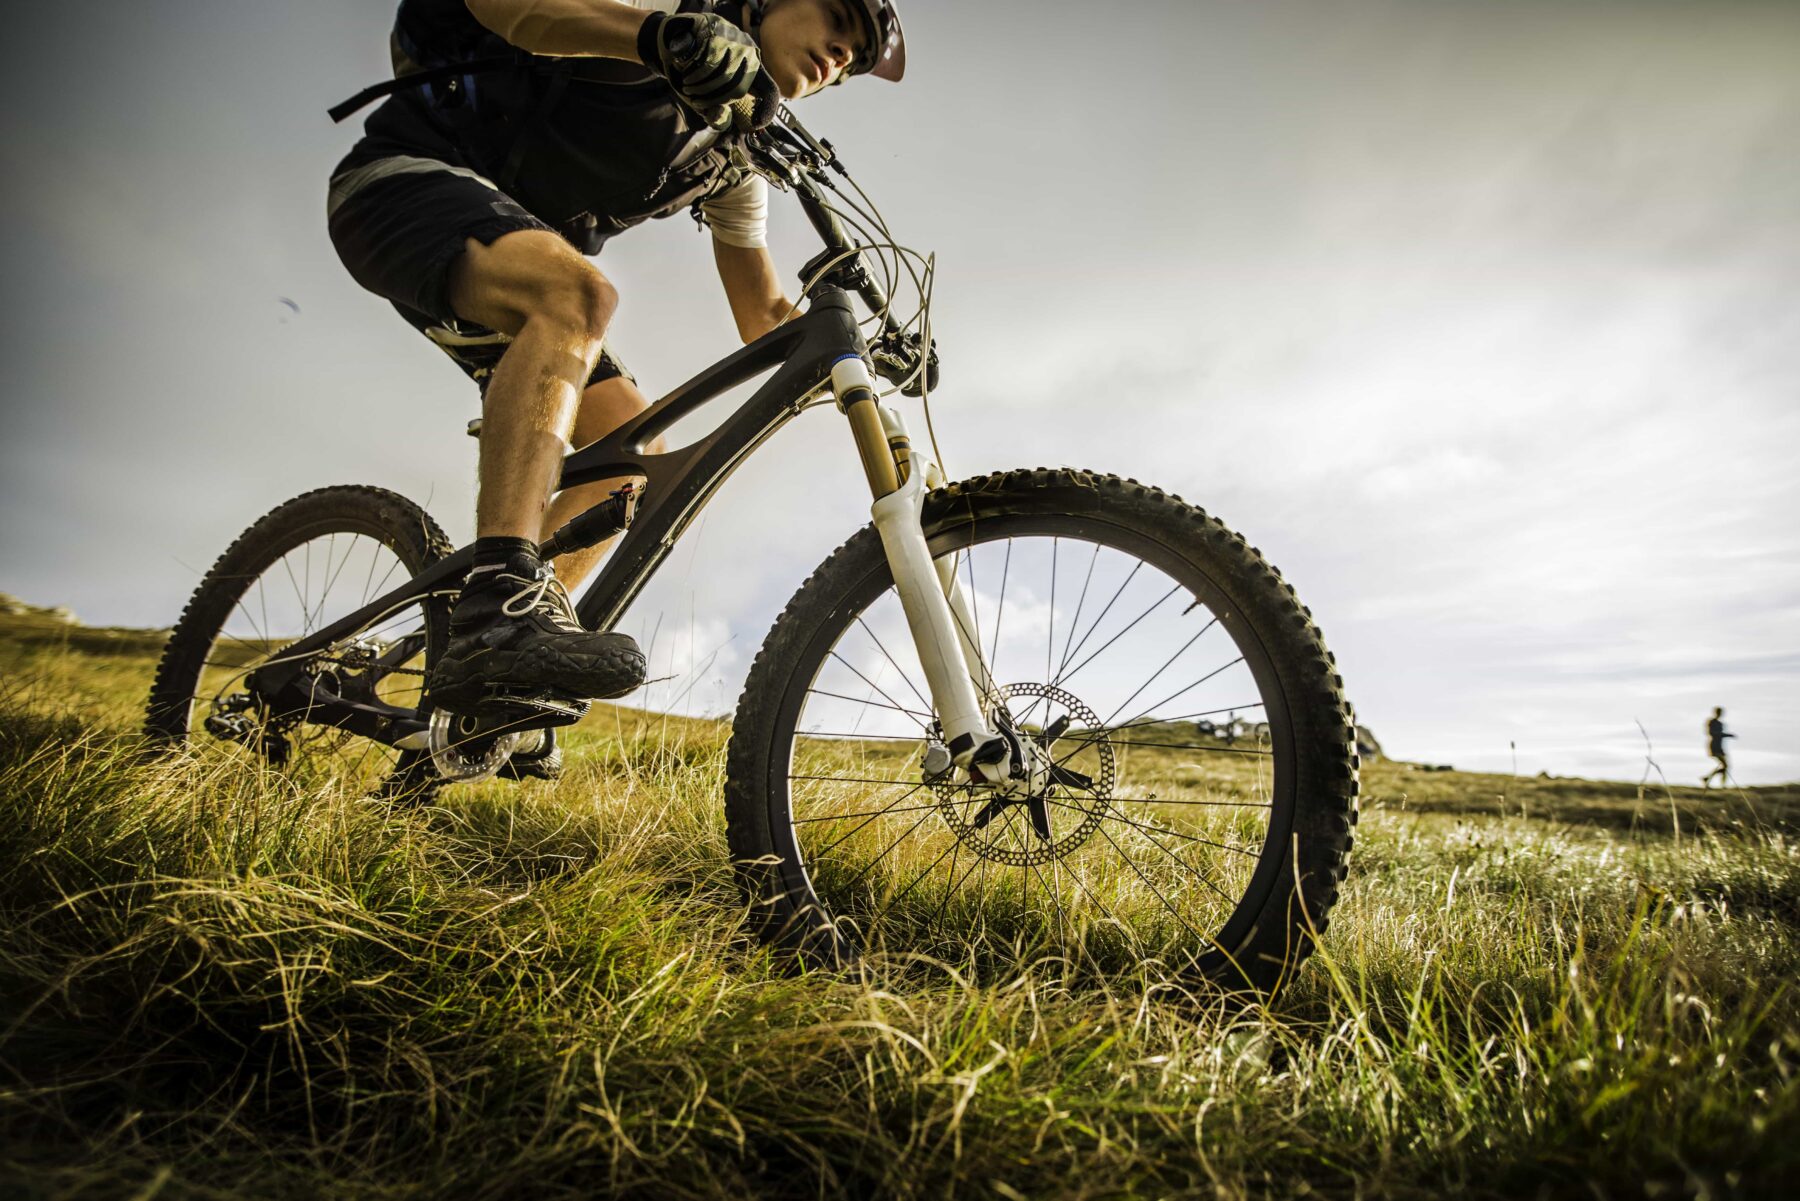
803, 140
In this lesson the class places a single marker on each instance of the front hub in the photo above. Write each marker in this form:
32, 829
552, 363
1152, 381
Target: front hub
1057, 790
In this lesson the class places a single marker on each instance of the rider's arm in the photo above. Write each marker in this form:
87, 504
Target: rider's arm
593, 28
752, 286
739, 220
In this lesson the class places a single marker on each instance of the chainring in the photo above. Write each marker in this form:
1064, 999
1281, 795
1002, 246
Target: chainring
463, 751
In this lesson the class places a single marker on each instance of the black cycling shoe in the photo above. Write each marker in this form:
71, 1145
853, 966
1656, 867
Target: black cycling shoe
515, 645
540, 761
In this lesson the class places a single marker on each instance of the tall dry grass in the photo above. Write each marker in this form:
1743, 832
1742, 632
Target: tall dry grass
216, 983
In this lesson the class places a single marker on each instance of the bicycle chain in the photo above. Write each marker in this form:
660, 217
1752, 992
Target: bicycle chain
391, 671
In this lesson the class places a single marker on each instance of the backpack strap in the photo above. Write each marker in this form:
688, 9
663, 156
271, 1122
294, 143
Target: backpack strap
387, 87
556, 85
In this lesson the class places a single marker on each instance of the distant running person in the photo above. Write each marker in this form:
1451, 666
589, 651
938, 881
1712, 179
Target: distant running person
1715, 746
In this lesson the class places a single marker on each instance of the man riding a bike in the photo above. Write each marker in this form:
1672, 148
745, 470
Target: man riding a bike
976, 722
520, 136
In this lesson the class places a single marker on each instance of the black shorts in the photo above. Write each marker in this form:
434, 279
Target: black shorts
398, 223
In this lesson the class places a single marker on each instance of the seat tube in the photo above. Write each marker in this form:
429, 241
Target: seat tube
897, 511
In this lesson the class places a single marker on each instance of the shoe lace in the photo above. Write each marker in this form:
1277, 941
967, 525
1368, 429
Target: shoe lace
546, 594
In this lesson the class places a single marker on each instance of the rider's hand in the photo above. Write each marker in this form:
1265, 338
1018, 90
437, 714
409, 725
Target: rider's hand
707, 60
759, 107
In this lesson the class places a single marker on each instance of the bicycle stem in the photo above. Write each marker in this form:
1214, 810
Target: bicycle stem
951, 659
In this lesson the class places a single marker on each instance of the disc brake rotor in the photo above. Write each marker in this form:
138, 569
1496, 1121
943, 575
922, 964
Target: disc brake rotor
1064, 812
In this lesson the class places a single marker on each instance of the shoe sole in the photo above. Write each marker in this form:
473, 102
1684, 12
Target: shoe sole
490, 682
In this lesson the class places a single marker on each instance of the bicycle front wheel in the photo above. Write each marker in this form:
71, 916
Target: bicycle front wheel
1201, 813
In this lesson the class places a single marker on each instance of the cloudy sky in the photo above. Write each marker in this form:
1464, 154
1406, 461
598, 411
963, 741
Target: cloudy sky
1480, 317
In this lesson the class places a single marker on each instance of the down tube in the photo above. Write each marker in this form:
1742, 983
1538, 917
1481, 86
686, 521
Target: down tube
679, 483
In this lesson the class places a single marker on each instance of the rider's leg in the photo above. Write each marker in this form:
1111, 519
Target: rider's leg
511, 631
535, 287
605, 406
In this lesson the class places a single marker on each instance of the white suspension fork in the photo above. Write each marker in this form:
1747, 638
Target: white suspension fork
911, 460
935, 609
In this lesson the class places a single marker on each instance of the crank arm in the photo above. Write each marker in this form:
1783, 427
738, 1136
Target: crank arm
322, 707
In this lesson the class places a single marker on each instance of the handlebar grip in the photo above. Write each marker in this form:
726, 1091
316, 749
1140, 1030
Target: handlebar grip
748, 113
743, 113
755, 108
739, 115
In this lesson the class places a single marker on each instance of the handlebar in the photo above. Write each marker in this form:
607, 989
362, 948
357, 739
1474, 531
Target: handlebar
798, 159
786, 151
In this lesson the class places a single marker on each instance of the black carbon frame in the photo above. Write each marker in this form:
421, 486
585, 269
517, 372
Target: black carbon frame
678, 484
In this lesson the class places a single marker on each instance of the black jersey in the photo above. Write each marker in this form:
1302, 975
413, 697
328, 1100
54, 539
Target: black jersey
591, 146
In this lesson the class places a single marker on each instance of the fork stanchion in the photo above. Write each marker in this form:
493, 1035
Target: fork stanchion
855, 390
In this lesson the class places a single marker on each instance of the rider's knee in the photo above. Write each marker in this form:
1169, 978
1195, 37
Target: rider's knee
582, 302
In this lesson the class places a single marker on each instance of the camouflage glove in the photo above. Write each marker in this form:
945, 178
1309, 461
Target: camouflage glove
709, 61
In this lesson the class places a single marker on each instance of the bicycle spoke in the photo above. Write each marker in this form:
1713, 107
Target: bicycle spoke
369, 579
325, 593
884, 854
871, 683
838, 817
262, 603
925, 871
835, 737
976, 861
894, 665
1050, 633
1091, 895
1073, 671
854, 780
1166, 903
1140, 800
1204, 877
1056, 903
1120, 817
1080, 604
1172, 746
855, 700
974, 604
305, 593
999, 611
1178, 692
1167, 663
254, 628
866, 821
381, 585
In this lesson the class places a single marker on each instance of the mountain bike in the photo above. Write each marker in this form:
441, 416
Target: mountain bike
995, 717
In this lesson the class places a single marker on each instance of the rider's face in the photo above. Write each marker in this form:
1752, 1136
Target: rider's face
809, 44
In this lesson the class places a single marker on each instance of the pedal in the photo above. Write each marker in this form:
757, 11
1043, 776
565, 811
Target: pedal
517, 710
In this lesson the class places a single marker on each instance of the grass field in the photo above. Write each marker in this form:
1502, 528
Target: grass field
214, 983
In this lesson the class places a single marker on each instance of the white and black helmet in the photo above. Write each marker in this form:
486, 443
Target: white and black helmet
884, 46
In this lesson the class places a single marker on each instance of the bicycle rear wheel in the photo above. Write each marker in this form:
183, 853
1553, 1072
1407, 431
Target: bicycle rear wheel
1202, 812
308, 563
